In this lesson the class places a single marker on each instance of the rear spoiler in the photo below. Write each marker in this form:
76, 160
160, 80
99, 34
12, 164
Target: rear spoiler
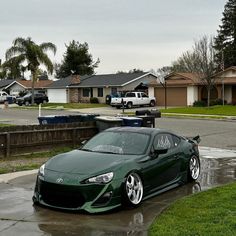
197, 139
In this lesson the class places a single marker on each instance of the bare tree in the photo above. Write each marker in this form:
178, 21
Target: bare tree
201, 61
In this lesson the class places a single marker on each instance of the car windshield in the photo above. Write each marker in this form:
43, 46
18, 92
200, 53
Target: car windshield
27, 95
129, 143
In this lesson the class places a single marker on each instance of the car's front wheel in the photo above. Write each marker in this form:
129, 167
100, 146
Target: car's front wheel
27, 103
133, 190
193, 168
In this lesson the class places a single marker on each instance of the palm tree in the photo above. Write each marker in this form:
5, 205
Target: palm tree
27, 51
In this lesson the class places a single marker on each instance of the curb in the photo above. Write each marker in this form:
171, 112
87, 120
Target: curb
5, 178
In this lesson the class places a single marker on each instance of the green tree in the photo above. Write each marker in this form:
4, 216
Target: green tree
225, 41
2, 71
76, 60
12, 68
27, 51
133, 71
200, 61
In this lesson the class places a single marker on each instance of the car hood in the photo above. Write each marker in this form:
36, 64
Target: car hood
84, 162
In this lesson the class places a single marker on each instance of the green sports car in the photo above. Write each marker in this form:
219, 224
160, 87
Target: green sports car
119, 166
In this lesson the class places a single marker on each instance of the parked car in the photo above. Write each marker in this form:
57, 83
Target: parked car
119, 166
27, 99
133, 99
6, 97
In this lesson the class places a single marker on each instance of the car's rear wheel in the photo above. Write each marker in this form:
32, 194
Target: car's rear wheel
152, 103
133, 189
129, 105
193, 168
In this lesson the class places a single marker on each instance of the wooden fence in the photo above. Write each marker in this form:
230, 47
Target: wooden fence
28, 139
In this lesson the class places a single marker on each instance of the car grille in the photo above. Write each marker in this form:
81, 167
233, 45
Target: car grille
60, 195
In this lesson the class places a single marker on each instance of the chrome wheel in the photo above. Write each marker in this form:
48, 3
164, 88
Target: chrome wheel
194, 168
134, 189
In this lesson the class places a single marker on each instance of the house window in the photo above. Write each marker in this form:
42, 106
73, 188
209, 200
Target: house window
113, 91
86, 92
100, 92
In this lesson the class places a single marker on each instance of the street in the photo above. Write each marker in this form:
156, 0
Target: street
214, 133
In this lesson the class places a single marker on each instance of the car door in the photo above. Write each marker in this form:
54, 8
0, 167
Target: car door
145, 99
163, 169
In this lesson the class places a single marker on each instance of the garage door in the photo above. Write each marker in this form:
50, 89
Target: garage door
57, 95
175, 96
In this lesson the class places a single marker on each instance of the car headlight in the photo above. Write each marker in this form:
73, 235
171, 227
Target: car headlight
101, 179
41, 170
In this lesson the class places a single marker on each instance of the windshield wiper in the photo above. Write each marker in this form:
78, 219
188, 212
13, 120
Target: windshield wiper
107, 152
87, 150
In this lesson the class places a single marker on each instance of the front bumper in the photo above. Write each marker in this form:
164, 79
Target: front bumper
93, 198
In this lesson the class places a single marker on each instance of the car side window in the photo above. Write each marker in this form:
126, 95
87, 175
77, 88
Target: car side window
144, 95
130, 95
163, 140
176, 140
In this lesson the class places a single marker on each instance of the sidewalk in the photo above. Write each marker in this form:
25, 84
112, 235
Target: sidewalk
200, 116
5, 178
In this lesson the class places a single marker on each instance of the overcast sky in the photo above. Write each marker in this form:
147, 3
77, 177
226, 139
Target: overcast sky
124, 34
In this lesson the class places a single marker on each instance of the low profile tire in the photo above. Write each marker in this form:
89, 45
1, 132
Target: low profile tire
193, 168
129, 105
152, 103
133, 190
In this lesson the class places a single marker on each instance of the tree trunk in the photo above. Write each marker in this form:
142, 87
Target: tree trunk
208, 96
32, 88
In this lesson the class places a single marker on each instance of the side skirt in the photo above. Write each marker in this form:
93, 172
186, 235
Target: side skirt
163, 190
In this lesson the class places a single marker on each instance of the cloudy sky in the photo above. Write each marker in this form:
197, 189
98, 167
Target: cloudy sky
124, 34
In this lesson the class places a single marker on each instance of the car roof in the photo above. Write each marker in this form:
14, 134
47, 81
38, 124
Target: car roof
144, 130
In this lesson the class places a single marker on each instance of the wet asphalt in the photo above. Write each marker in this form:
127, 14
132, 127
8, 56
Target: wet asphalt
218, 167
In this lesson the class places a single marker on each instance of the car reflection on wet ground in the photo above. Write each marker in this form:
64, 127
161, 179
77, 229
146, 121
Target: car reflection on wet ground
18, 216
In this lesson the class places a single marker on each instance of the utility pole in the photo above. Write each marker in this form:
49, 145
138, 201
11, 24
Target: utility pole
223, 85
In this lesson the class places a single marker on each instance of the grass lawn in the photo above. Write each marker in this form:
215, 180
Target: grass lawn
226, 110
5, 125
72, 105
208, 213
27, 162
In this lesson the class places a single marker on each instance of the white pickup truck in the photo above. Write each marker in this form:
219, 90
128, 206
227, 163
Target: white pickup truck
133, 99
5, 97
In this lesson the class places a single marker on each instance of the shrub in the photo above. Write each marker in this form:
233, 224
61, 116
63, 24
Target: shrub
199, 104
94, 100
217, 101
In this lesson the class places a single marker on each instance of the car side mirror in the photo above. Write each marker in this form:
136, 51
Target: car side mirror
83, 142
160, 150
